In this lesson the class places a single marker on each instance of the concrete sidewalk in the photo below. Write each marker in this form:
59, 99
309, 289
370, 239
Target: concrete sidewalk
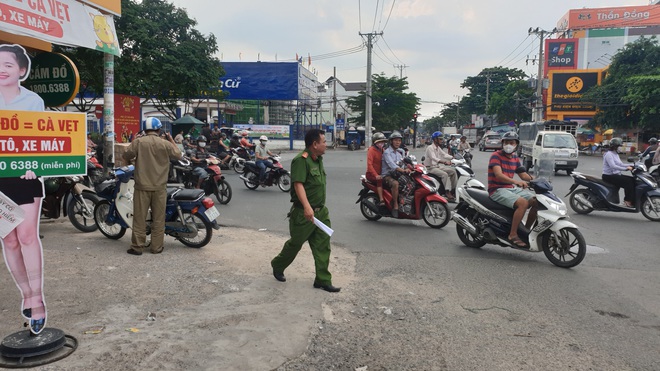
217, 307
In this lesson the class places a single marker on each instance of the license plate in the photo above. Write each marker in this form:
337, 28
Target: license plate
561, 162
212, 213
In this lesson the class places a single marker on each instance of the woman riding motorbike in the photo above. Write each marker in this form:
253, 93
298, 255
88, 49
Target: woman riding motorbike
612, 167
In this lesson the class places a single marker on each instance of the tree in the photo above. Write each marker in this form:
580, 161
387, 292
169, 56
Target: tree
512, 104
629, 96
489, 82
163, 58
392, 107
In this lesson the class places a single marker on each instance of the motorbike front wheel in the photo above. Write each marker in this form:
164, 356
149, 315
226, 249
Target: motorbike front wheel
239, 166
648, 206
204, 230
565, 248
579, 207
366, 211
435, 214
223, 192
466, 237
284, 182
82, 216
101, 211
252, 181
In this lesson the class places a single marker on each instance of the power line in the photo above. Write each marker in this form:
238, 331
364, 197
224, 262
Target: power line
502, 61
388, 16
392, 51
373, 27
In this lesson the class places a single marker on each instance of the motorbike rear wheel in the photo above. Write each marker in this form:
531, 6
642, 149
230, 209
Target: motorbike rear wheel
80, 218
577, 206
223, 192
366, 211
204, 230
284, 182
101, 211
568, 243
647, 208
435, 214
253, 180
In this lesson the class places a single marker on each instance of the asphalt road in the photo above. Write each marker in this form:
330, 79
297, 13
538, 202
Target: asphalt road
463, 308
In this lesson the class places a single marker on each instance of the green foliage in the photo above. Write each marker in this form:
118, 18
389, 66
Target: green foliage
512, 103
393, 108
489, 81
90, 68
163, 58
629, 96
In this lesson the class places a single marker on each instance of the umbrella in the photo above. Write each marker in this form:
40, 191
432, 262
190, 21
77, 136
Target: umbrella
187, 124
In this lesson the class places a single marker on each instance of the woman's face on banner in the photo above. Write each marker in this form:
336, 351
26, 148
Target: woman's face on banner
10, 72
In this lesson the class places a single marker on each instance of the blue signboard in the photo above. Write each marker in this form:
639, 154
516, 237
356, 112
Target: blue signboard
340, 124
260, 80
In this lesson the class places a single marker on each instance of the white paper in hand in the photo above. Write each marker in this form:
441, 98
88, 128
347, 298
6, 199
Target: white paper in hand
11, 215
323, 227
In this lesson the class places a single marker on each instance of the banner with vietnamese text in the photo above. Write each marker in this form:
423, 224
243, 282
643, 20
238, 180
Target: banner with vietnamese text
48, 143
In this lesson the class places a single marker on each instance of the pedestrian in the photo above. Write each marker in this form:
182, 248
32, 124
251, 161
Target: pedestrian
151, 173
308, 198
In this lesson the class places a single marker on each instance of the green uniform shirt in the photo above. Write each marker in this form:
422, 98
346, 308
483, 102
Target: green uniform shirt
312, 175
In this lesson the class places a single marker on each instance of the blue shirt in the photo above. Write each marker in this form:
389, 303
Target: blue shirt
391, 159
612, 164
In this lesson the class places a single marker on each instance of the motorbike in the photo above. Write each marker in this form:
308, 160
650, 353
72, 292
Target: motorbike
238, 158
418, 198
277, 175
465, 154
94, 171
215, 183
189, 216
465, 175
480, 220
68, 196
589, 193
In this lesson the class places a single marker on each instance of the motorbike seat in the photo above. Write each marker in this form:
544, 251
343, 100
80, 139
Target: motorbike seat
180, 194
600, 181
483, 198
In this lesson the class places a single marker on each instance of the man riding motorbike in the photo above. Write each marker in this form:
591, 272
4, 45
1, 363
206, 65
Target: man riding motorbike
198, 157
507, 191
261, 154
438, 162
612, 167
391, 170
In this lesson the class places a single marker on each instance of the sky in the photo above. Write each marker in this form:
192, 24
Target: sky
440, 43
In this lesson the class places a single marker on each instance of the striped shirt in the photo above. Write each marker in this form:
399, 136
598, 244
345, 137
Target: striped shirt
508, 165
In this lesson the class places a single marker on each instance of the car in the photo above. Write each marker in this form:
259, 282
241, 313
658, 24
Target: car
490, 141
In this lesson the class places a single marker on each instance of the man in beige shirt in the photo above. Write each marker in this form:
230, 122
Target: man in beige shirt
438, 163
151, 168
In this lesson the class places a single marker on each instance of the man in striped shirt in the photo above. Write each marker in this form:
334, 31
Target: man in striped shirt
507, 191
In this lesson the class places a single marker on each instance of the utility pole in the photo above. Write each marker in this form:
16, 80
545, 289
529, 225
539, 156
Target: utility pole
538, 109
334, 106
400, 67
367, 106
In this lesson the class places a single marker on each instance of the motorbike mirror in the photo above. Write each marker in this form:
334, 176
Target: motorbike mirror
423, 158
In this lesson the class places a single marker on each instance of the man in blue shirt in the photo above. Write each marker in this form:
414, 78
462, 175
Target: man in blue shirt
391, 159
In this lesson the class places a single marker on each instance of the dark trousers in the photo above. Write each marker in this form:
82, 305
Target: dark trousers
625, 182
263, 164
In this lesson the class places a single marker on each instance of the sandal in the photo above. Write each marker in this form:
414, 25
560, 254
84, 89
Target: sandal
517, 242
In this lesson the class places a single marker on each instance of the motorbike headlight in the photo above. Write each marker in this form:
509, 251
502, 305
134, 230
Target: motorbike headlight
560, 208
574, 155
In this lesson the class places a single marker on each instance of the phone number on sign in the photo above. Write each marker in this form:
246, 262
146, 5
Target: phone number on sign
50, 88
19, 165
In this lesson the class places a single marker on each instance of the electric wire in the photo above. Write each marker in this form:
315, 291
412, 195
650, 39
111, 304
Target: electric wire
513, 51
392, 51
388, 16
373, 27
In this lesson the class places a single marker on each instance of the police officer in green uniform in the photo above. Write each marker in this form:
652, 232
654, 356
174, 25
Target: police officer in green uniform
308, 197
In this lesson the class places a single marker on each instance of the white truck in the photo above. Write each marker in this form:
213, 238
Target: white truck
470, 135
549, 138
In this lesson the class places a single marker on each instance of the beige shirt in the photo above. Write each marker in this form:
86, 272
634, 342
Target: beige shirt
435, 155
151, 154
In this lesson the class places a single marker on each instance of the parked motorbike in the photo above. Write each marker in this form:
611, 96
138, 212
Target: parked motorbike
465, 175
589, 193
277, 175
215, 183
189, 216
68, 196
418, 198
480, 220
94, 171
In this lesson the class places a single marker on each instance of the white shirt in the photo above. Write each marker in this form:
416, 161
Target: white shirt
25, 101
435, 155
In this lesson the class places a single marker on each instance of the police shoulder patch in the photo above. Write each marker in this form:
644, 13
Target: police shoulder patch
304, 154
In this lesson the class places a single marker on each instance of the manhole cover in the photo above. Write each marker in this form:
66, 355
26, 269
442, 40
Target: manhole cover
591, 249
21, 350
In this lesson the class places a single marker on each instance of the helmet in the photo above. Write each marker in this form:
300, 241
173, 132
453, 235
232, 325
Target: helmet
378, 137
152, 123
201, 138
264, 138
396, 135
51, 185
510, 135
653, 140
187, 136
244, 133
616, 142
437, 134
235, 136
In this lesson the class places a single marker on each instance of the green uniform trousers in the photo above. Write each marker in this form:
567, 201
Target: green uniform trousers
142, 200
301, 231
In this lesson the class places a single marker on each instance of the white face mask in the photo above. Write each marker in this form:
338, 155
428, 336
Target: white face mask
202, 144
509, 148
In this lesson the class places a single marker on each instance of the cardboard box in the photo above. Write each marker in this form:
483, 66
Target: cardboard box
120, 149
